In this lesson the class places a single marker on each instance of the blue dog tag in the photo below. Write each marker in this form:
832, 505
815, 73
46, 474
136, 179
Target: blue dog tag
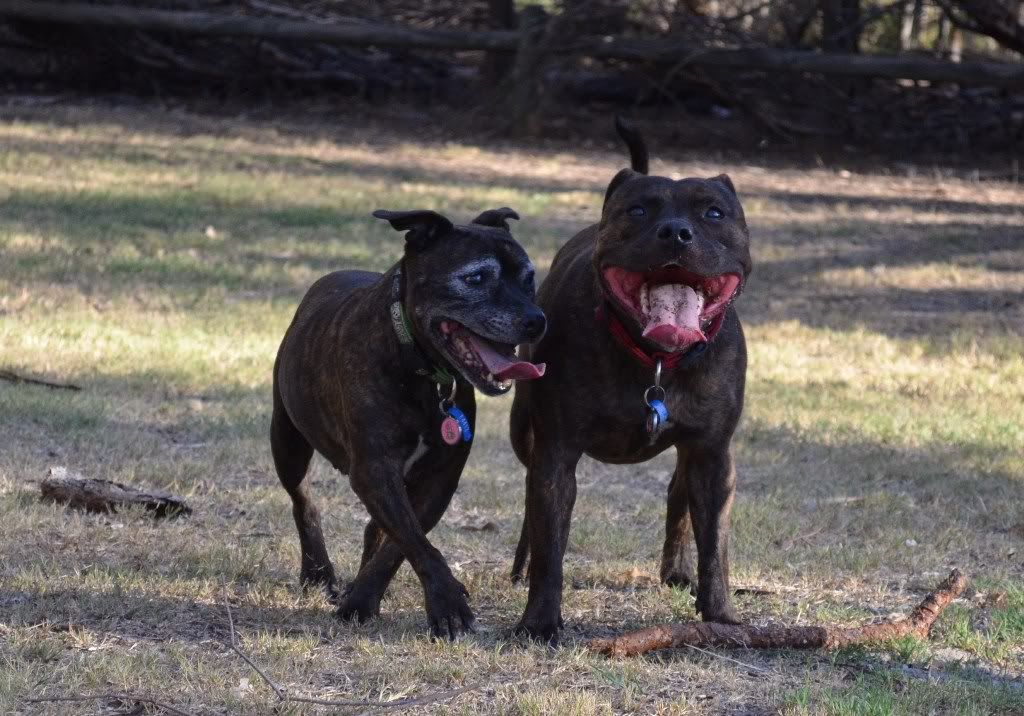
657, 416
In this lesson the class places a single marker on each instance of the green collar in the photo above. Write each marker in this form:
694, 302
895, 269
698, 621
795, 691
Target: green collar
403, 331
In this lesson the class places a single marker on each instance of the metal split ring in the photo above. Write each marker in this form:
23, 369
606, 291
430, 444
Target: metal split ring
447, 401
659, 394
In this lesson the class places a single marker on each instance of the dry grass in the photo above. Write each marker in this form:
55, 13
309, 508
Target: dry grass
881, 442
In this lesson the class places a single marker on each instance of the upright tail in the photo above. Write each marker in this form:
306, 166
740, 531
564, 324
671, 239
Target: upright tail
638, 156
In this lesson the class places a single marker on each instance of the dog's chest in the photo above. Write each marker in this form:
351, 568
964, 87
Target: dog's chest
620, 430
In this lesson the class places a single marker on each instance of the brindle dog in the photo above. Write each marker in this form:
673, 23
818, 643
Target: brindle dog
653, 281
371, 374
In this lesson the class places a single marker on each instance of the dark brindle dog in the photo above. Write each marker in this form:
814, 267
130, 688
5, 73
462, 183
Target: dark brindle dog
651, 285
376, 373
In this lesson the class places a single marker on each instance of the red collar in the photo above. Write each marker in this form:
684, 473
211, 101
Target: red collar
669, 361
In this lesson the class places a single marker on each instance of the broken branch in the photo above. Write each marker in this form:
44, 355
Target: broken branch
65, 487
12, 377
731, 636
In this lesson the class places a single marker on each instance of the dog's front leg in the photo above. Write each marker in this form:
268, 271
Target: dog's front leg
377, 480
550, 496
711, 483
430, 484
676, 563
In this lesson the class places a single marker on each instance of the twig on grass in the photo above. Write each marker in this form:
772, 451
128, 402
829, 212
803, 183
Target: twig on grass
284, 697
109, 696
12, 377
281, 695
723, 657
383, 706
667, 636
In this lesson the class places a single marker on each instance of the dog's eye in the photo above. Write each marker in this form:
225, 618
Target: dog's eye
474, 279
636, 211
714, 213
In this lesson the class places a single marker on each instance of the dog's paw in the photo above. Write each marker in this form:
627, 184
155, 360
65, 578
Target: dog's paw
448, 612
314, 580
717, 611
676, 577
356, 607
542, 628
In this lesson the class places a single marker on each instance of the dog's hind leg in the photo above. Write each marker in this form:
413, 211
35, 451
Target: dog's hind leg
292, 453
521, 435
676, 563
520, 565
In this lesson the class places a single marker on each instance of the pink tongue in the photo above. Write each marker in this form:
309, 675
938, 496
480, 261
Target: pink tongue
673, 318
503, 368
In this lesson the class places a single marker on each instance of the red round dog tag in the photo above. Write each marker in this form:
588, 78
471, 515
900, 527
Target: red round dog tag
451, 433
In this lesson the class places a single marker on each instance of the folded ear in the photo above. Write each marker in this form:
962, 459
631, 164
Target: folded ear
424, 226
618, 180
498, 218
725, 181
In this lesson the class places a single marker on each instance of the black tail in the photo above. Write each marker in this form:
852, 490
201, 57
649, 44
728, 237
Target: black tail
638, 156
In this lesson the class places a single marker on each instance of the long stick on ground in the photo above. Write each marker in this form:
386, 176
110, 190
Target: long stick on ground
730, 636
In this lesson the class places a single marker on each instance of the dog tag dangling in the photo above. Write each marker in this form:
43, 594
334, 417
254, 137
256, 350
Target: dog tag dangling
657, 415
455, 425
451, 433
654, 397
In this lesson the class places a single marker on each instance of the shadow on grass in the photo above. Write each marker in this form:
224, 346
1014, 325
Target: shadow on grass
300, 165
94, 224
137, 615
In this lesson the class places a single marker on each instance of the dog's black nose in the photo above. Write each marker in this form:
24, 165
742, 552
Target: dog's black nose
675, 230
534, 325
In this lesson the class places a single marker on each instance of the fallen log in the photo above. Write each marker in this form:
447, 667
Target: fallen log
733, 636
671, 52
65, 487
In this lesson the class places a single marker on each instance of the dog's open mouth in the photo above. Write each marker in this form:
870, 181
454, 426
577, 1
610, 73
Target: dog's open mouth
487, 364
674, 307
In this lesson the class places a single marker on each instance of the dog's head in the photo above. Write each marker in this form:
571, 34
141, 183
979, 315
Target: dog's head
469, 293
672, 255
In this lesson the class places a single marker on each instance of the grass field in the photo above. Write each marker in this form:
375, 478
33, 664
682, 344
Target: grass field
156, 258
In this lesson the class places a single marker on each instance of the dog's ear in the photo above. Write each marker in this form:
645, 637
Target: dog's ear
725, 181
424, 226
498, 218
618, 180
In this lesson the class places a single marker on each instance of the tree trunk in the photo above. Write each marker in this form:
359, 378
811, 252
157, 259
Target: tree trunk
840, 25
502, 16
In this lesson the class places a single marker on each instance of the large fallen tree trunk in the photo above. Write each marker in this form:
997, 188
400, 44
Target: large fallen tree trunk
732, 636
658, 51
63, 486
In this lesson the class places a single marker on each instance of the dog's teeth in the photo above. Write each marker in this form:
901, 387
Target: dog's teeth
645, 299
